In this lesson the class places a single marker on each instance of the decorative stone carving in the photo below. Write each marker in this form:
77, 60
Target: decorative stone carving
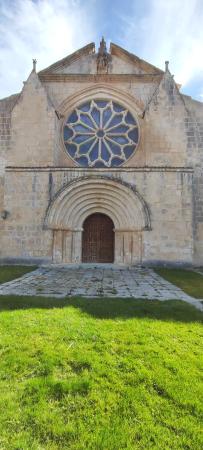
100, 133
103, 58
119, 200
4, 214
88, 195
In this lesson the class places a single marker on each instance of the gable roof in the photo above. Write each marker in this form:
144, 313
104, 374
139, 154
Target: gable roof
84, 51
130, 57
115, 50
8, 103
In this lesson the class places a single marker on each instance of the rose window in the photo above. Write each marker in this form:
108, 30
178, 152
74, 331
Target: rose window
100, 133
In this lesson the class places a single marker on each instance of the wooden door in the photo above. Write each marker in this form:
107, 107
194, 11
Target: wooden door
98, 239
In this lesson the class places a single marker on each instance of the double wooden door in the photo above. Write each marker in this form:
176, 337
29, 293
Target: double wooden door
98, 239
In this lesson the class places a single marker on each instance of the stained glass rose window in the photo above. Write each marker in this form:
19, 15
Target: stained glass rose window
100, 133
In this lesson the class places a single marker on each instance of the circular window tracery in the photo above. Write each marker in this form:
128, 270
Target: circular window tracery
100, 133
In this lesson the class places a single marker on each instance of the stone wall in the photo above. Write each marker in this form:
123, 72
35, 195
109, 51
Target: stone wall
6, 106
194, 133
26, 199
170, 150
161, 116
32, 127
168, 194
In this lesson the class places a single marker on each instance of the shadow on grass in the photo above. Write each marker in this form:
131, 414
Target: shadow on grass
108, 308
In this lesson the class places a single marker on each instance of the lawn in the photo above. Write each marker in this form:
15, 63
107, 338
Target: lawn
103, 374
189, 281
8, 273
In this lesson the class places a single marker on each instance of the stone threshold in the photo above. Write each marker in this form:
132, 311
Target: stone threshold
91, 266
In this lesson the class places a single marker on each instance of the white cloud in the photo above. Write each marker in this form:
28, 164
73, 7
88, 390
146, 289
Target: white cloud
169, 30
47, 30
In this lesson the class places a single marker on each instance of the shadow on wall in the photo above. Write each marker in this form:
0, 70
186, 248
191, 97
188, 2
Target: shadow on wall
103, 308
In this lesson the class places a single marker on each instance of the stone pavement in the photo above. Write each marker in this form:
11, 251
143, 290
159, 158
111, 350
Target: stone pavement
96, 281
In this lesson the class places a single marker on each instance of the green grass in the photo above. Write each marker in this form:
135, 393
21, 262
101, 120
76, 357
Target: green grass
189, 281
103, 374
8, 273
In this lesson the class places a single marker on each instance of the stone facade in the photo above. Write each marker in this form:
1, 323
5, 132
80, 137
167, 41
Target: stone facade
154, 198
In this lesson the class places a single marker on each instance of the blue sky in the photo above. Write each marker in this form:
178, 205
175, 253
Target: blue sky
48, 30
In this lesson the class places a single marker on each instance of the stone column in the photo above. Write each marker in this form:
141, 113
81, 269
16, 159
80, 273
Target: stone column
67, 246
119, 247
76, 246
128, 247
57, 246
136, 247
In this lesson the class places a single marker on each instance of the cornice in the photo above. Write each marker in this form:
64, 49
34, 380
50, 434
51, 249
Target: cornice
103, 170
105, 78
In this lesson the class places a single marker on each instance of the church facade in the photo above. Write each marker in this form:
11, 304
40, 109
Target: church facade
101, 160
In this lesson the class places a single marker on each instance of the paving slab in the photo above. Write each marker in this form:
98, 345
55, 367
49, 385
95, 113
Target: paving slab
96, 281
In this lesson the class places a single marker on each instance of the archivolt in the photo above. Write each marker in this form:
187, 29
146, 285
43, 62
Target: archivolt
85, 196
100, 91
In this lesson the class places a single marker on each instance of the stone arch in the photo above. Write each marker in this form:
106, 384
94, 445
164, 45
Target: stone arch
88, 195
101, 90
83, 196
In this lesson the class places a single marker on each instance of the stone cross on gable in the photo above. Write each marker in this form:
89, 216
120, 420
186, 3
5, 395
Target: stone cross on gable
34, 62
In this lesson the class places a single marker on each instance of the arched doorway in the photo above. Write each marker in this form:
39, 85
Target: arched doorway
98, 194
98, 239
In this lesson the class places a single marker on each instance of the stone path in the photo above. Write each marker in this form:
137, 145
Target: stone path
96, 281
